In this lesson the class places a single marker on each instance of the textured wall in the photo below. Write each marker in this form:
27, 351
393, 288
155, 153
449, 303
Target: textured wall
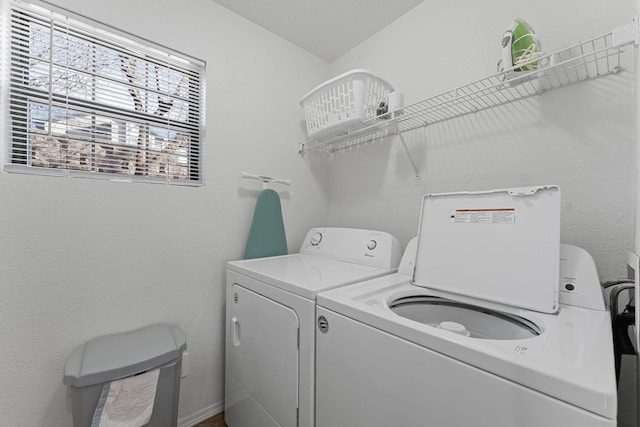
81, 258
580, 137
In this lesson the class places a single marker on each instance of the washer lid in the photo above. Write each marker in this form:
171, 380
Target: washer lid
500, 245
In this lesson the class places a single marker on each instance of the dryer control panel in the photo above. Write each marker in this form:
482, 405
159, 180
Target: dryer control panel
365, 247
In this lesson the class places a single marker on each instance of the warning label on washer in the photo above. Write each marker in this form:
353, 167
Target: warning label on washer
483, 216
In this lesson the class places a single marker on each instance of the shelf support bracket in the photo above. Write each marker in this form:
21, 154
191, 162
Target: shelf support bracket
406, 150
627, 34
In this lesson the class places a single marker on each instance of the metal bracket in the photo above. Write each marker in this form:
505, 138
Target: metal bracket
627, 34
406, 150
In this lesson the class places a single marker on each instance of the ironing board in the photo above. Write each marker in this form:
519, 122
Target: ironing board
266, 236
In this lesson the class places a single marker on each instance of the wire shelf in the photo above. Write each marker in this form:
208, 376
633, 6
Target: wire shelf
596, 57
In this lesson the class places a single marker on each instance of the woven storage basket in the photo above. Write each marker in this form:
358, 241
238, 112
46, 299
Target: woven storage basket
343, 101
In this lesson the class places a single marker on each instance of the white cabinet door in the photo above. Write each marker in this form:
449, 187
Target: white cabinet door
264, 356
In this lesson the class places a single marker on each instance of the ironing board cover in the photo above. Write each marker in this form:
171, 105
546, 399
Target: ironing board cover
266, 236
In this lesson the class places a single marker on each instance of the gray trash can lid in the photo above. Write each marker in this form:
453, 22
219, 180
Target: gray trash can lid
116, 356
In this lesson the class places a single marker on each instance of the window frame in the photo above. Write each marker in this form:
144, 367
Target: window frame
19, 98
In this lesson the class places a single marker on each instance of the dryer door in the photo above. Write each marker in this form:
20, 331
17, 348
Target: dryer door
263, 361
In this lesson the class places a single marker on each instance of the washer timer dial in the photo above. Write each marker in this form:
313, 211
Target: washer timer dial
372, 245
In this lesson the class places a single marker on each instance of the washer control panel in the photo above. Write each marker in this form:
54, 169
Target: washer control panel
579, 283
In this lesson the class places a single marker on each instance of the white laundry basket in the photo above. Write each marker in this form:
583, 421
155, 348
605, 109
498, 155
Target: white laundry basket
343, 101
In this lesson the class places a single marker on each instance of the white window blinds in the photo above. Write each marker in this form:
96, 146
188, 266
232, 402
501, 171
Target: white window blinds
92, 102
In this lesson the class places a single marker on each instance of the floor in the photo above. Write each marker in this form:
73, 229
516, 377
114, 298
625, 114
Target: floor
217, 421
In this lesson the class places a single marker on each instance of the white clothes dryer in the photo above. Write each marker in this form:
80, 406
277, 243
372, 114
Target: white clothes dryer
270, 321
510, 352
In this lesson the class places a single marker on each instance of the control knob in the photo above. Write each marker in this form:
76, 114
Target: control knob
372, 245
316, 238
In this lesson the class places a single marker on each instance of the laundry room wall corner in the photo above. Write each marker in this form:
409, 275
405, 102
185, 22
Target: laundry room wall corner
579, 137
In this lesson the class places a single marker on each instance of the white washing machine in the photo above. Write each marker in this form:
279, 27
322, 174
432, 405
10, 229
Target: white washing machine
270, 321
497, 325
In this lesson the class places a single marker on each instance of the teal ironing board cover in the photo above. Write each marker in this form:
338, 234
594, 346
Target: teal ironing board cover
266, 236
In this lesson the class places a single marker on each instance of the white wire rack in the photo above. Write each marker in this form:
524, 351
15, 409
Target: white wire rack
596, 57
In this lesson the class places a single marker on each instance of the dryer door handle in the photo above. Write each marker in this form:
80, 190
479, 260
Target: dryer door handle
235, 327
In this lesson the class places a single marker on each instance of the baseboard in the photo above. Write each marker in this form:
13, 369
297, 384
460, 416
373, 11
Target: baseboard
201, 415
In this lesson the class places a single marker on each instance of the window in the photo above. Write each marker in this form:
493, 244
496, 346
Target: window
86, 100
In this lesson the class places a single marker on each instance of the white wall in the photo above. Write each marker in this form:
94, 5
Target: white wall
580, 137
81, 258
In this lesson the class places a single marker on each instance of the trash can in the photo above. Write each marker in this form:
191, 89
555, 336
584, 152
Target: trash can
116, 357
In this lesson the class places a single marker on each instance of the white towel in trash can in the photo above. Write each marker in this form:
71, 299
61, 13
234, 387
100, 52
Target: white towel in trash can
127, 402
